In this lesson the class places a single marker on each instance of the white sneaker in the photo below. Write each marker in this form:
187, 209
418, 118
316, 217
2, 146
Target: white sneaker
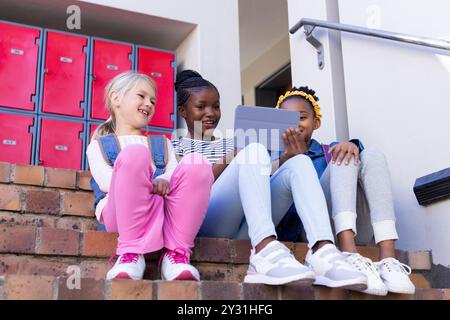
375, 285
332, 269
275, 265
175, 266
395, 276
128, 266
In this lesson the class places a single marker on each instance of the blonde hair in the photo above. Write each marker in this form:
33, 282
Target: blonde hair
121, 84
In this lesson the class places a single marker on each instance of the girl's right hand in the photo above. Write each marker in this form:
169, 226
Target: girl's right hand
161, 187
294, 143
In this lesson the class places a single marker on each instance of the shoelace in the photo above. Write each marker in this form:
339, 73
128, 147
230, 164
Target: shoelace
392, 264
129, 258
361, 262
178, 255
125, 258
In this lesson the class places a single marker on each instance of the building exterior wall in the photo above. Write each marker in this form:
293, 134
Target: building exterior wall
395, 99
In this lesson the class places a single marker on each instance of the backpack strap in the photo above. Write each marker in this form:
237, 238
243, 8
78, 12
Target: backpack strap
158, 146
325, 149
110, 148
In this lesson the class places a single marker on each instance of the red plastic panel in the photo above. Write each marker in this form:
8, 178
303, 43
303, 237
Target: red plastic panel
157, 65
60, 145
64, 74
109, 60
92, 129
15, 140
18, 66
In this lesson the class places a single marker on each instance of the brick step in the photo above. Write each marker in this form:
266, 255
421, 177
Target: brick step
62, 242
39, 196
97, 268
29, 287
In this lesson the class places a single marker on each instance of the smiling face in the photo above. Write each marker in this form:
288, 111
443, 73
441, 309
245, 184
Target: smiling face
134, 109
308, 120
201, 112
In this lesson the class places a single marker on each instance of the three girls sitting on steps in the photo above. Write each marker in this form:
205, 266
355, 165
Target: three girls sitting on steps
152, 206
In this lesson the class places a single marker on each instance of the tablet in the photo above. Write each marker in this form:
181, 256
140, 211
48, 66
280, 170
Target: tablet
263, 125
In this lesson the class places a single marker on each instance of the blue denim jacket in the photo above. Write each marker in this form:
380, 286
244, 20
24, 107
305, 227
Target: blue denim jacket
290, 226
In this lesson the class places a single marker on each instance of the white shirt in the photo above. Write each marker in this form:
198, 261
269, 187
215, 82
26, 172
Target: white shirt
102, 172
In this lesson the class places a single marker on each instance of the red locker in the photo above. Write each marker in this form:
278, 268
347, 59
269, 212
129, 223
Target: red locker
60, 144
158, 65
109, 60
18, 66
64, 74
16, 140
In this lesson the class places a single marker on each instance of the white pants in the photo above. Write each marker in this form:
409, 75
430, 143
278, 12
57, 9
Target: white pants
360, 198
246, 202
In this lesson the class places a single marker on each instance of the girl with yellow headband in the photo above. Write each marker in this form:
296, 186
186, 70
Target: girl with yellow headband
362, 187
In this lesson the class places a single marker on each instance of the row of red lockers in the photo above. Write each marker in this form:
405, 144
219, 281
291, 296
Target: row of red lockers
66, 80
60, 142
73, 72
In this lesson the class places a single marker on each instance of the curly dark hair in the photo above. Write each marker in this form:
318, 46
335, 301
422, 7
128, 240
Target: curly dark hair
189, 81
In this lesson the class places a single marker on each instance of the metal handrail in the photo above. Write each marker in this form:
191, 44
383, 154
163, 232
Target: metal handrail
310, 24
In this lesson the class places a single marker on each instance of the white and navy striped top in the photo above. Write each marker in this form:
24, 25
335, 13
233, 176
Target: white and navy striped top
212, 150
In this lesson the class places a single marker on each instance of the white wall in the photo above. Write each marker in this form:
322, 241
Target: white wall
397, 99
216, 38
327, 82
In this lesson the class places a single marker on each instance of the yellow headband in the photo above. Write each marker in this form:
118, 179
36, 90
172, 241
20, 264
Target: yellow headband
307, 96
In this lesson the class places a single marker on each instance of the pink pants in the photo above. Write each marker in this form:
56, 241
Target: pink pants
147, 222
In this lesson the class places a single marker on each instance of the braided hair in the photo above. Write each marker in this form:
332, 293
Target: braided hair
305, 93
189, 81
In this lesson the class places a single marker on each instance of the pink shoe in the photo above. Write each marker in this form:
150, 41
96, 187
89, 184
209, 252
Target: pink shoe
175, 266
127, 266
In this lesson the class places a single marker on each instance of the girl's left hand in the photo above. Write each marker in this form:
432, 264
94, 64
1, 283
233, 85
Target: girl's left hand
160, 187
344, 150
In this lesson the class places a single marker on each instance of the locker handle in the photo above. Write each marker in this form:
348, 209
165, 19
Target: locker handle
61, 148
112, 67
17, 51
9, 142
65, 59
156, 74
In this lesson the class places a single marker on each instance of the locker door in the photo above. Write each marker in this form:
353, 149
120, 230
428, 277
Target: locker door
157, 65
64, 74
15, 139
109, 60
60, 144
18, 66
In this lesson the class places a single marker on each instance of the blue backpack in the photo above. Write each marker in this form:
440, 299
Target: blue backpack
110, 147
